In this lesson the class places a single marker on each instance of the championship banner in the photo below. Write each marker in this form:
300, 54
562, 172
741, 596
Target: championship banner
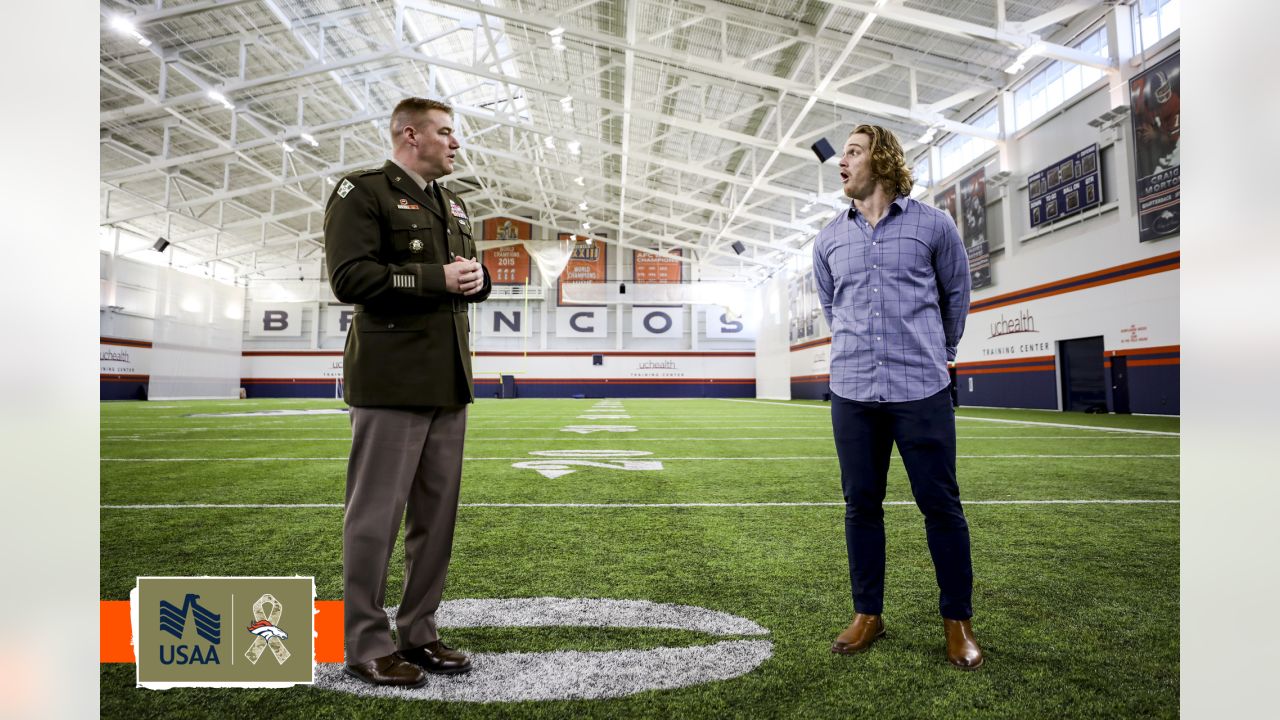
973, 212
947, 203
1154, 97
587, 264
1067, 187
656, 269
281, 319
582, 322
657, 322
507, 265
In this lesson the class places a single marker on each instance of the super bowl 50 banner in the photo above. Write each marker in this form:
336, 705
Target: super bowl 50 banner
1154, 97
507, 265
973, 213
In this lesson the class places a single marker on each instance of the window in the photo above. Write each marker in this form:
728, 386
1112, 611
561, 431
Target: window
920, 171
1058, 82
1154, 20
959, 150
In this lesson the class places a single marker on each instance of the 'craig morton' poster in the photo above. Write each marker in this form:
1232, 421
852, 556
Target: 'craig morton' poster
1153, 95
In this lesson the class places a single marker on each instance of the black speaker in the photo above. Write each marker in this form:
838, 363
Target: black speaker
738, 247
160, 245
622, 288
597, 360
823, 150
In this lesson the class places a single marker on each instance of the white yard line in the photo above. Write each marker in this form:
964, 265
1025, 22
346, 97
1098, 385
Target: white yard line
892, 503
981, 419
662, 459
630, 437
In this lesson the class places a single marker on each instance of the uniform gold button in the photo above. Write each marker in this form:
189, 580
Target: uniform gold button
415, 227
390, 326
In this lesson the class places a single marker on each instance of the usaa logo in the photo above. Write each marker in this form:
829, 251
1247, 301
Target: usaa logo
207, 625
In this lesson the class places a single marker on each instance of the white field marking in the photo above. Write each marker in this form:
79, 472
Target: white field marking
983, 419
604, 417
554, 468
1075, 427
586, 429
666, 459
268, 413
539, 438
890, 503
594, 453
572, 674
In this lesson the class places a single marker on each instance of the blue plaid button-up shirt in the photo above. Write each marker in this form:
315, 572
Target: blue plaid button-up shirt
895, 297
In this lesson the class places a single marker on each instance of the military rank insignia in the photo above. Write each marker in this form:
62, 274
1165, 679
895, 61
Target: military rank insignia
456, 209
345, 188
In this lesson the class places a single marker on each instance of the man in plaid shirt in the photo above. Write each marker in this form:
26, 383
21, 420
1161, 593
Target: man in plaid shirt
893, 279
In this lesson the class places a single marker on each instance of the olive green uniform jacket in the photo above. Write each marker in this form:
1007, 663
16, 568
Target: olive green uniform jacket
386, 243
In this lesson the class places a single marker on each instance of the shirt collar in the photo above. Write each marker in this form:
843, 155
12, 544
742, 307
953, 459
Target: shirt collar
421, 182
900, 202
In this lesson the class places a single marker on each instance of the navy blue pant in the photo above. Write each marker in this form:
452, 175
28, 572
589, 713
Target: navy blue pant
925, 433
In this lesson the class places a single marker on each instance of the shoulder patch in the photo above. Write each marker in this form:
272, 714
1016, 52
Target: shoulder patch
345, 188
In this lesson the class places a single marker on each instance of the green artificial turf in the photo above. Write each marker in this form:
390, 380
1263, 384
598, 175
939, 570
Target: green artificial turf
1076, 605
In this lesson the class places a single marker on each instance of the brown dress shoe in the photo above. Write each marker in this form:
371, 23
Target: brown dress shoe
390, 670
436, 657
859, 635
962, 648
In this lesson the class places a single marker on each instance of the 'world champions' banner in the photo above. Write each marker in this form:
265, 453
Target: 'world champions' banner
587, 264
507, 265
973, 213
1154, 97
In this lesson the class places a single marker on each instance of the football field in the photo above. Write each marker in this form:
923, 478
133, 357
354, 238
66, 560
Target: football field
679, 559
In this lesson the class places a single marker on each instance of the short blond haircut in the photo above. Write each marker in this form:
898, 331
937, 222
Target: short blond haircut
410, 110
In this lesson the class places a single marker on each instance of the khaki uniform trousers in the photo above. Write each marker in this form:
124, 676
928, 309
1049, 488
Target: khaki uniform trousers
401, 459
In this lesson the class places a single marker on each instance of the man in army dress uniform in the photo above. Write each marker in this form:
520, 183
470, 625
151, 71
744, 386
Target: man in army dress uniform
399, 247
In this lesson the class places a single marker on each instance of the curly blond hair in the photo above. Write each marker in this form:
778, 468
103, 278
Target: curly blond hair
888, 164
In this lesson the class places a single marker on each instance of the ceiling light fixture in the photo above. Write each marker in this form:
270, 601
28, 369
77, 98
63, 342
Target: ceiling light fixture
557, 39
549, 142
575, 147
310, 140
582, 205
566, 104
287, 147
216, 96
123, 25
928, 135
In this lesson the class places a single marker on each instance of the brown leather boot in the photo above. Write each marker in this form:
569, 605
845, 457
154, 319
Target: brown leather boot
962, 648
859, 635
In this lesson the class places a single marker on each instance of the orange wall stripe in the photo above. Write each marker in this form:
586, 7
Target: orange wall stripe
115, 643
811, 343
1157, 361
1147, 351
1000, 300
988, 363
994, 371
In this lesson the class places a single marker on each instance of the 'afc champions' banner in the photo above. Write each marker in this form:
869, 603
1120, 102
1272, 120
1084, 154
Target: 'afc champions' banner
973, 213
587, 264
656, 269
507, 265
1154, 98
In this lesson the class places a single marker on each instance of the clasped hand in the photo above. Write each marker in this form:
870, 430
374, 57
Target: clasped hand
463, 276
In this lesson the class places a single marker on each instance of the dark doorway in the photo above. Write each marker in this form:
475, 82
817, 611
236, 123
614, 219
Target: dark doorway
1083, 382
1120, 384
